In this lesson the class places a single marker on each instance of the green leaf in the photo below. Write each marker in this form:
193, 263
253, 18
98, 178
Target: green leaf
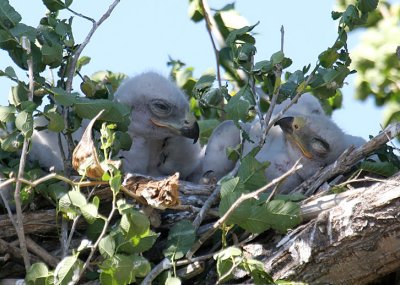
254, 219
383, 168
70, 201
114, 111
107, 246
9, 71
24, 123
233, 35
195, 11
55, 5
63, 98
13, 142
7, 42
9, 18
123, 269
180, 239
204, 82
7, 114
328, 57
18, 94
82, 61
134, 223
115, 183
336, 15
228, 252
257, 272
67, 270
52, 55
282, 215
206, 129
277, 57
252, 173
230, 186
89, 212
37, 274
366, 6
56, 122
237, 109
226, 259
263, 67
239, 105
23, 30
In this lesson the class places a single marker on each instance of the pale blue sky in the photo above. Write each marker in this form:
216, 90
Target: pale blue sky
140, 35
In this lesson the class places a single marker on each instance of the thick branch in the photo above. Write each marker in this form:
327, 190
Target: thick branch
355, 242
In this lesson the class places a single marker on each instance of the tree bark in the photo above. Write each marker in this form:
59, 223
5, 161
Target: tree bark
355, 242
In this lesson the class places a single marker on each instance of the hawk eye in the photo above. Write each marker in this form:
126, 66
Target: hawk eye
320, 146
161, 108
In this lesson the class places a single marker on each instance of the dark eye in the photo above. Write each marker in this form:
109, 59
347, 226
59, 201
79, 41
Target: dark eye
160, 107
296, 126
320, 146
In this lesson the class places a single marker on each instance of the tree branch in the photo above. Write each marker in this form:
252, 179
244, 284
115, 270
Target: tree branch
360, 232
19, 221
212, 28
235, 205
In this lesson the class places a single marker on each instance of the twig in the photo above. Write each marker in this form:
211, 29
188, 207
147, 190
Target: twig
350, 157
53, 176
77, 53
94, 247
41, 252
212, 29
207, 205
163, 265
293, 101
82, 16
265, 120
19, 222
235, 205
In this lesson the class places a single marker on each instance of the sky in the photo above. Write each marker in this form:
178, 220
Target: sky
141, 35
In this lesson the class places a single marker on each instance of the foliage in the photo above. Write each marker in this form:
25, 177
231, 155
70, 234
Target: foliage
376, 60
120, 245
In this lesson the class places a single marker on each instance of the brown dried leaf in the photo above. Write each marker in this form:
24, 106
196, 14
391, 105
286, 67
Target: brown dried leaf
159, 194
84, 158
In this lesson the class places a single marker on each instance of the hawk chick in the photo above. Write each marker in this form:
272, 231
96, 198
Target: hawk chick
160, 123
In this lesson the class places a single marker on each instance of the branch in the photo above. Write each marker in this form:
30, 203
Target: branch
350, 157
206, 207
19, 221
163, 265
235, 205
212, 28
77, 53
361, 232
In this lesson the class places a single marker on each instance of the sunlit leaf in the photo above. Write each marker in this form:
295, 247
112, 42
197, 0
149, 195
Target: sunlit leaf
9, 18
67, 270
180, 239
107, 246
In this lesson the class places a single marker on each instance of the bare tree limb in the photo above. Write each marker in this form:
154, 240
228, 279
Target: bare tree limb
354, 242
41, 252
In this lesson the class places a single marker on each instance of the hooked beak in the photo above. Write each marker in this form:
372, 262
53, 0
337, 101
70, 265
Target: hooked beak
188, 127
285, 124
